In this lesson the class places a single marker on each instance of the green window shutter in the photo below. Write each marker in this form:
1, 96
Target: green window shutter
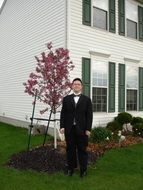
121, 6
140, 18
111, 102
140, 89
112, 16
86, 12
121, 88
86, 76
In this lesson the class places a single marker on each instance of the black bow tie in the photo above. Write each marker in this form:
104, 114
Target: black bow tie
77, 95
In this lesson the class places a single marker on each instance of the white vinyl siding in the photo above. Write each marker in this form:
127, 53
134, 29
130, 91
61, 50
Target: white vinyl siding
101, 44
25, 27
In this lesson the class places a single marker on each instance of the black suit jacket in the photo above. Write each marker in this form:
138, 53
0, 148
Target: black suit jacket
81, 113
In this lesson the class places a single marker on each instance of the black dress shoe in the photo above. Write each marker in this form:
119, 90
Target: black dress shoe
83, 173
70, 172
65, 169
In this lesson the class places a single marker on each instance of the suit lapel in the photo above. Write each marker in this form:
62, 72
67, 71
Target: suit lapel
72, 100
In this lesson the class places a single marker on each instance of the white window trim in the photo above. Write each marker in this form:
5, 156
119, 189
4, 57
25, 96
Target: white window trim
132, 59
102, 54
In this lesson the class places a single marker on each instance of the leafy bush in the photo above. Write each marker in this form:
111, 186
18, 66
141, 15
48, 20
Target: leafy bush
138, 129
100, 134
136, 120
114, 126
124, 118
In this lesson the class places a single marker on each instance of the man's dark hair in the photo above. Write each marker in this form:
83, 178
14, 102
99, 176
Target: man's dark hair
76, 80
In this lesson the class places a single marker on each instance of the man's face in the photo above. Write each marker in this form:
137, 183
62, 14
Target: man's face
77, 86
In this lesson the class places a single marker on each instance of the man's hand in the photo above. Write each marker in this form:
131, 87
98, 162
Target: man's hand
62, 130
87, 133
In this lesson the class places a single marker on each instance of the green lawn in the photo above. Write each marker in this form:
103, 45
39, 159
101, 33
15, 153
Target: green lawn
118, 169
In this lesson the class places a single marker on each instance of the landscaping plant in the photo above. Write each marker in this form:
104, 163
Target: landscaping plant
50, 82
100, 134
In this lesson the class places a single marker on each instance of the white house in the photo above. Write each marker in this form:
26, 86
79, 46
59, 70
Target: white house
105, 39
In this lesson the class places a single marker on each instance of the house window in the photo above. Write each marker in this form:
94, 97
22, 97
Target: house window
99, 86
131, 18
131, 87
131, 29
100, 14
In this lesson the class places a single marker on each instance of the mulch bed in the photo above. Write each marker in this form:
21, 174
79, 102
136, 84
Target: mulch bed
47, 159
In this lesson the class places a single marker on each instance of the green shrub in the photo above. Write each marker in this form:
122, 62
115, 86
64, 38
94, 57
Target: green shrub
136, 120
99, 134
114, 126
138, 129
124, 118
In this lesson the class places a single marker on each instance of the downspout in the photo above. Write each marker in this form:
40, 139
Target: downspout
67, 24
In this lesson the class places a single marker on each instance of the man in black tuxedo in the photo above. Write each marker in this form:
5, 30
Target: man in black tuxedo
76, 123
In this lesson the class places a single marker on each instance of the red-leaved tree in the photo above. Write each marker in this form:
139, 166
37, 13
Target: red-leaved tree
50, 82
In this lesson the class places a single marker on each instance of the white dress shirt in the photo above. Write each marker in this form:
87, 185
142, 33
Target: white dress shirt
76, 98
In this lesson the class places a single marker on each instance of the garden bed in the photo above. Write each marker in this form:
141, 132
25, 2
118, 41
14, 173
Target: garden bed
47, 159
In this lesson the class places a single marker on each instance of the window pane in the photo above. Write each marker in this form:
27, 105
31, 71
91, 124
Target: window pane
131, 100
132, 77
131, 10
99, 74
99, 18
99, 99
131, 29
101, 4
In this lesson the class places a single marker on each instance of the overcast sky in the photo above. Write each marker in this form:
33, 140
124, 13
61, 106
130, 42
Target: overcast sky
1, 2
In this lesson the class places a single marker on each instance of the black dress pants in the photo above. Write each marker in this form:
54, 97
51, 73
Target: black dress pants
76, 150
